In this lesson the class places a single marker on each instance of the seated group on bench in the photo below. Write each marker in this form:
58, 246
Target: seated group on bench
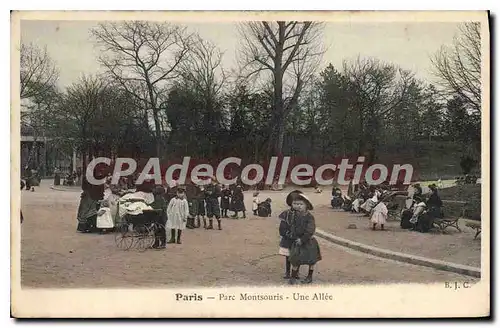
423, 212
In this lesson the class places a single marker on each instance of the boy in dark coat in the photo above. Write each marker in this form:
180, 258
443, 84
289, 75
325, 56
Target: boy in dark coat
200, 206
225, 200
212, 194
305, 248
286, 240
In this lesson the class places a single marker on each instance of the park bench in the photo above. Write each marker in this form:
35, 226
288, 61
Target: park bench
441, 224
475, 225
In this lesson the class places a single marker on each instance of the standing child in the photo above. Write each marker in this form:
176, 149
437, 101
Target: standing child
305, 248
286, 240
379, 215
200, 205
225, 200
177, 214
255, 202
160, 204
212, 194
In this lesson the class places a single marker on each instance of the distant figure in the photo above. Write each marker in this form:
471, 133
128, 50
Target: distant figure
255, 202
264, 209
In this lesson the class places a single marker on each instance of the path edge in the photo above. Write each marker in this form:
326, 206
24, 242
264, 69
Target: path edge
401, 257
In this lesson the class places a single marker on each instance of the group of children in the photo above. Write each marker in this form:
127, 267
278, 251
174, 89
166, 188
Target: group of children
188, 206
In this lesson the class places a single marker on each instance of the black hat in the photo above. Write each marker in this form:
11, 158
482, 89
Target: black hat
158, 190
291, 196
303, 197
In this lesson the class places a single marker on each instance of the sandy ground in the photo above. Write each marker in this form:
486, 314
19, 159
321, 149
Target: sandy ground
53, 254
453, 246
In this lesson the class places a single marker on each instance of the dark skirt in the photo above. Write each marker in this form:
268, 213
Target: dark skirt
405, 219
224, 203
237, 206
305, 254
199, 207
87, 214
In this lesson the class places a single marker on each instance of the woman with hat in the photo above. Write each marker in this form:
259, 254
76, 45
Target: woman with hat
305, 248
238, 202
286, 239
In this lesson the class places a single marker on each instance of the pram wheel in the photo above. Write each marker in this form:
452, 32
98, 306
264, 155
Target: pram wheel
123, 237
145, 237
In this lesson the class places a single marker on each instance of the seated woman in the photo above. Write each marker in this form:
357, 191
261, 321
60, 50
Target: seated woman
427, 211
347, 204
264, 208
370, 203
337, 199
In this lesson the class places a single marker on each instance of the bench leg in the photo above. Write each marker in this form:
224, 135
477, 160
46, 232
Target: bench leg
477, 233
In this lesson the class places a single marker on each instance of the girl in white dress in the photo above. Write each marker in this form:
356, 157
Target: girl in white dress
379, 215
177, 214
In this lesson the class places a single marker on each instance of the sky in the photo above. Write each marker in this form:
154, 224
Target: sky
408, 45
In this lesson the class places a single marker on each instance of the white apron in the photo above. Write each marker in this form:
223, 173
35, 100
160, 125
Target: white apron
177, 214
104, 218
379, 215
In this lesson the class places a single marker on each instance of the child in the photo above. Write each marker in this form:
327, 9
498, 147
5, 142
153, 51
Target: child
264, 209
379, 215
237, 202
225, 200
212, 193
284, 229
177, 214
255, 202
305, 248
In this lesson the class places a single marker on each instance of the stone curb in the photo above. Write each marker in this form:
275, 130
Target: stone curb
401, 257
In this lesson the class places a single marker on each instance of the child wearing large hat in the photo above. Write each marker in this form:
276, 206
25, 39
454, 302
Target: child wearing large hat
305, 248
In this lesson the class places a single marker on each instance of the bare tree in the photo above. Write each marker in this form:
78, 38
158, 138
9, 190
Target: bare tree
38, 72
145, 55
458, 67
379, 88
285, 50
204, 75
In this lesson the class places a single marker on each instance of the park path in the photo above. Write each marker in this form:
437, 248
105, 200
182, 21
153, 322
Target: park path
243, 253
